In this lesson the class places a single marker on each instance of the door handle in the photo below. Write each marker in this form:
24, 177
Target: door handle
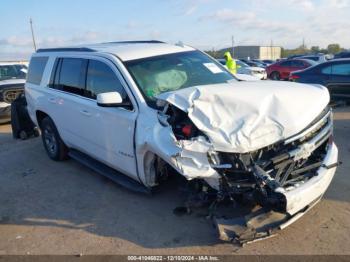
52, 100
85, 112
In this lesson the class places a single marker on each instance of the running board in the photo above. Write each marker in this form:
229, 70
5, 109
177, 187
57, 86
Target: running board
108, 172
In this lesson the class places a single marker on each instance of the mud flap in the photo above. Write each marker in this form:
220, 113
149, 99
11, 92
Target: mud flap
256, 226
22, 126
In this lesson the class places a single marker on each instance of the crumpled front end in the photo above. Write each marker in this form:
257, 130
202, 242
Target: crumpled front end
285, 180
281, 168
282, 179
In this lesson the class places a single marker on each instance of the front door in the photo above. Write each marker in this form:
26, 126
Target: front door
108, 131
339, 85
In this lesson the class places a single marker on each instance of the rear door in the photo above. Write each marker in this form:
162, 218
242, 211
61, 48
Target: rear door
68, 86
339, 85
298, 65
285, 68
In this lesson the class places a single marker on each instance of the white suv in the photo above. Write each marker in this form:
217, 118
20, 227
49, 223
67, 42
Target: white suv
140, 111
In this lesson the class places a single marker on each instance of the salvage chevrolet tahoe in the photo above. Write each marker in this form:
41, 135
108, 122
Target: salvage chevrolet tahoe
139, 111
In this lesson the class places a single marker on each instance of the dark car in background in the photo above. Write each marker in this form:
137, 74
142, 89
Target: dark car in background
12, 79
268, 61
282, 69
344, 54
317, 58
334, 74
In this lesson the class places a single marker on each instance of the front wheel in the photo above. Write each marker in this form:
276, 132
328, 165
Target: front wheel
52, 141
275, 76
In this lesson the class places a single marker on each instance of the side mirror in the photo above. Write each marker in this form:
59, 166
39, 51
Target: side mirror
111, 99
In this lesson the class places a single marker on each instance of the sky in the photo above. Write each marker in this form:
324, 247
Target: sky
205, 24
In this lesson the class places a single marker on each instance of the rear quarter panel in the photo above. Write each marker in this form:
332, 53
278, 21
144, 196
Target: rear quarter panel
36, 95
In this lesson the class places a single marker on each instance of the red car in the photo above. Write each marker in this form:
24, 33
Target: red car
282, 69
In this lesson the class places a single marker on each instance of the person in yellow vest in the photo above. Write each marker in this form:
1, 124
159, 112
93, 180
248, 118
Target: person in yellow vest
230, 63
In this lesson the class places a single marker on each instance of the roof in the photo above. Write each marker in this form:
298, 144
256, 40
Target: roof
346, 59
127, 50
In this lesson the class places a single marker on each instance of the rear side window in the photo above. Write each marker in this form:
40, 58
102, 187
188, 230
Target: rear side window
341, 69
286, 63
101, 79
72, 75
327, 70
36, 70
297, 63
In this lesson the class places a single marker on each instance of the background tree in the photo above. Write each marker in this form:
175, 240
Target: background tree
315, 49
334, 48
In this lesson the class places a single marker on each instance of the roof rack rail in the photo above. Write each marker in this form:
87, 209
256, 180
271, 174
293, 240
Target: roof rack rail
65, 49
137, 42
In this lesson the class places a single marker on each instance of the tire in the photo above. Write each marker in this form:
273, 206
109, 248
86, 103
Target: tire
275, 75
54, 146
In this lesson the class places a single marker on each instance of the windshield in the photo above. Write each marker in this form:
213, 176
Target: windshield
12, 72
311, 62
160, 74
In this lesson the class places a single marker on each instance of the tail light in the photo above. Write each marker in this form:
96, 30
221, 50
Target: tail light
293, 77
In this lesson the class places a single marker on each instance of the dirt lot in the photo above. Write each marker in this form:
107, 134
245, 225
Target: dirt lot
48, 207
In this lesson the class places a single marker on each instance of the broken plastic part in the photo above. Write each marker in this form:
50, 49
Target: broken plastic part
258, 225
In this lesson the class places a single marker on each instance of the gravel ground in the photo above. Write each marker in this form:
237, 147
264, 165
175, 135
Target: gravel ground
49, 207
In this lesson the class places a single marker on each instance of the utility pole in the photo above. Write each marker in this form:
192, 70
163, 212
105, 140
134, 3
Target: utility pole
271, 49
33, 37
233, 46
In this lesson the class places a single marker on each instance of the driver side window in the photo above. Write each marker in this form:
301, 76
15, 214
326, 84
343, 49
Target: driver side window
101, 79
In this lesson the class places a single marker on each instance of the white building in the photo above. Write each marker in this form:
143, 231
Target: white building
257, 52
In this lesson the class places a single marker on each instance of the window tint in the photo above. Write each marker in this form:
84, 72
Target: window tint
327, 70
36, 69
286, 63
341, 69
297, 63
101, 79
72, 75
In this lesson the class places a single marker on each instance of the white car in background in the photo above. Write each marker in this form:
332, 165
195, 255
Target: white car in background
258, 73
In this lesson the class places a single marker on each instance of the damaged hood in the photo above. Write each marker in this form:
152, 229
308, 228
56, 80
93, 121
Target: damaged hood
12, 81
245, 116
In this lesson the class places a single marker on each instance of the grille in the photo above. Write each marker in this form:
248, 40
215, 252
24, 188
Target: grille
286, 163
10, 95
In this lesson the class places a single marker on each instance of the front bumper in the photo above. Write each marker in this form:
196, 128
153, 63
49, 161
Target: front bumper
312, 190
261, 76
264, 223
5, 112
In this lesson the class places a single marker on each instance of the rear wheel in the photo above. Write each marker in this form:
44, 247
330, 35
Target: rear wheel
275, 75
52, 141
